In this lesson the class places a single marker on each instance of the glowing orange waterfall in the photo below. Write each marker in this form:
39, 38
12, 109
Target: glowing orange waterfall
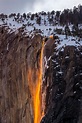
34, 81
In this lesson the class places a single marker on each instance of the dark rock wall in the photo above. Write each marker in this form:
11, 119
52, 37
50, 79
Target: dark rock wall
62, 84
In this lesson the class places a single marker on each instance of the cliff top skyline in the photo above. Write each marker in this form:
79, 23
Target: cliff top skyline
8, 6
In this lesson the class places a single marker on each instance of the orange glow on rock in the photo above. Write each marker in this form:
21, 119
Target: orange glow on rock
34, 81
51, 36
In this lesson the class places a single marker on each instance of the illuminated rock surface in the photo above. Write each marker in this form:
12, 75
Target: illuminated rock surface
17, 53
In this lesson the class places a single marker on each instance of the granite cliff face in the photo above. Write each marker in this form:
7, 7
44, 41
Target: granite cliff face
62, 84
62, 79
17, 54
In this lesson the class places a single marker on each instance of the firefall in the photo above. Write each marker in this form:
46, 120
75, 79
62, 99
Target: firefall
34, 81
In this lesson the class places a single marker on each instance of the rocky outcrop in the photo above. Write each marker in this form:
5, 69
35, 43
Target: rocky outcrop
17, 53
62, 84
